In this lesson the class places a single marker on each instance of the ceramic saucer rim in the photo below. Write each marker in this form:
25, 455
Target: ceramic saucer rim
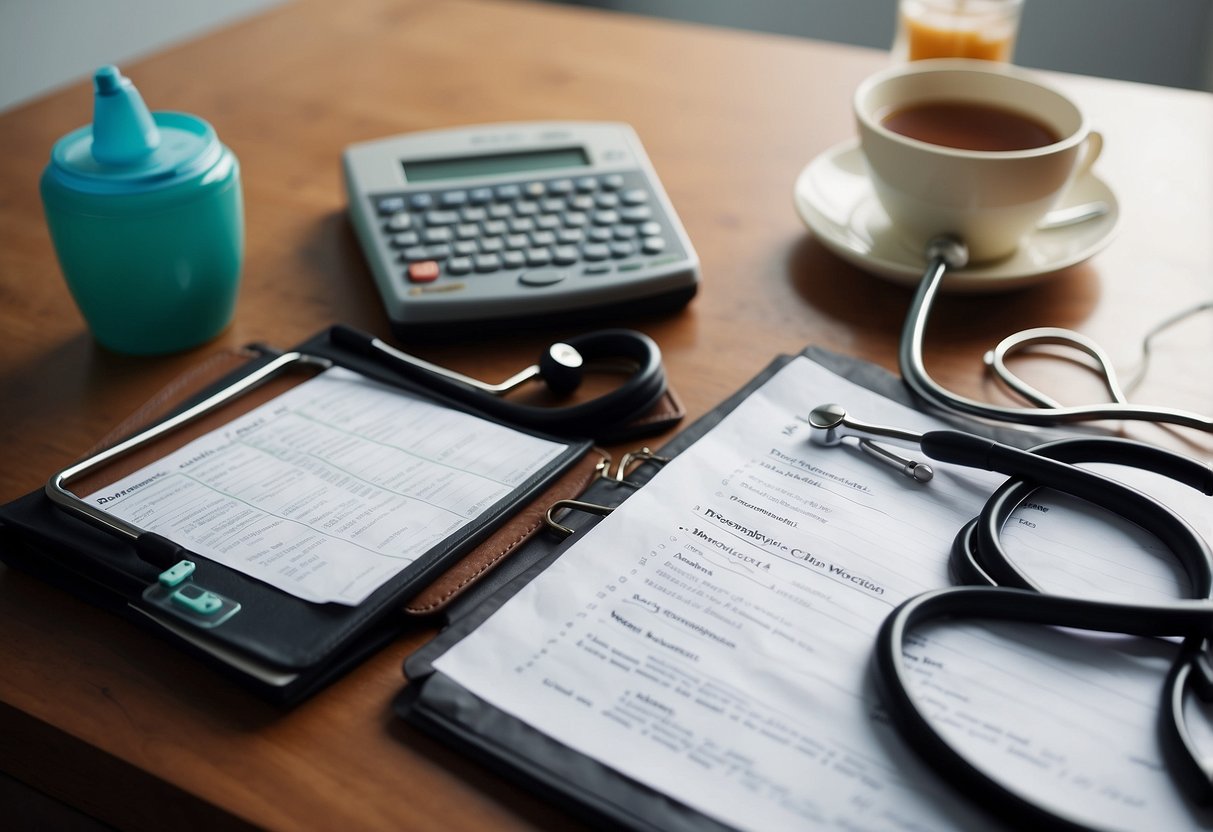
1019, 270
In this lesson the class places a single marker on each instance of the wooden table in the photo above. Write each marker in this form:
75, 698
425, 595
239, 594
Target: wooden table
112, 721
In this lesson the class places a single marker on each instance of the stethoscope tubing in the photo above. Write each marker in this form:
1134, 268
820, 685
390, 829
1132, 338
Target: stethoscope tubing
1190, 618
915, 375
596, 419
979, 543
1191, 672
1004, 593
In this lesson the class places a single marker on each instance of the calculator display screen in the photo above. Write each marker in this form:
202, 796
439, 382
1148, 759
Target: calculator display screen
433, 170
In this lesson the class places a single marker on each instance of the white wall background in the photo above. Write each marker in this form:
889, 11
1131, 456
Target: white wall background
45, 44
1166, 42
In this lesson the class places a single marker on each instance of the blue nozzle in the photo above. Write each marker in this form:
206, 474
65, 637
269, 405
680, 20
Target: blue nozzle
123, 130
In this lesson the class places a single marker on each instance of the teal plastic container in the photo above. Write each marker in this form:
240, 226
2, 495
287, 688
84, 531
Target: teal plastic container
146, 214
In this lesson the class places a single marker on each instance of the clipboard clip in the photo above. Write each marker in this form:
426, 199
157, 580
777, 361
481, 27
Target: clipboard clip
630, 459
625, 466
176, 593
578, 505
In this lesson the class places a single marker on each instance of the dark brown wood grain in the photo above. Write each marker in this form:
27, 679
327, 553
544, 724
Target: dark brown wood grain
108, 719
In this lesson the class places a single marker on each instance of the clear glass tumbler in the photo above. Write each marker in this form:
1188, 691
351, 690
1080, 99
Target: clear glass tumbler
980, 29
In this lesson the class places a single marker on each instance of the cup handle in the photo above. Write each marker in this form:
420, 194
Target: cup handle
1092, 146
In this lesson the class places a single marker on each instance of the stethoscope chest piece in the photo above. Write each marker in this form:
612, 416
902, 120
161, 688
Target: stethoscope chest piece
561, 368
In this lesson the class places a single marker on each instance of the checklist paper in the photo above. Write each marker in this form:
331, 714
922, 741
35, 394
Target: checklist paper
711, 638
329, 490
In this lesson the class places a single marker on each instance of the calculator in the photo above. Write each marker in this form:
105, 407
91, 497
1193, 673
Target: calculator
508, 225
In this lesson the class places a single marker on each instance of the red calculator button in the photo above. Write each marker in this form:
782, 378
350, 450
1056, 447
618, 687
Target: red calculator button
423, 271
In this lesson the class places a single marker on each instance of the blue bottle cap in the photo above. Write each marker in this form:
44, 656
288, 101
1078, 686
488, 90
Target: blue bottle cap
128, 149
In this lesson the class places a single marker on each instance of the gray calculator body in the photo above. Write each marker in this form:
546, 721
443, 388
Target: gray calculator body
515, 224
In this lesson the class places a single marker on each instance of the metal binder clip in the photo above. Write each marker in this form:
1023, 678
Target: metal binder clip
625, 464
604, 472
580, 505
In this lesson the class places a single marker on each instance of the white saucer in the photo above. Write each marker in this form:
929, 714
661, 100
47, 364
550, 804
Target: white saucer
835, 199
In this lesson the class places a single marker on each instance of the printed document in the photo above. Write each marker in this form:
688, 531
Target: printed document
331, 489
712, 637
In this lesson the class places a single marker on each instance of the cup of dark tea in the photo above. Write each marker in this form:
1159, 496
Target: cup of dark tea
971, 148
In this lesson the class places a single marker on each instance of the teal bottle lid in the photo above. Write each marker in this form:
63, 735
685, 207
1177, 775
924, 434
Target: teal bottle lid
128, 149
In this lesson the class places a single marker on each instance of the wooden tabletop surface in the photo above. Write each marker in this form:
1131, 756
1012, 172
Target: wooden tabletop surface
113, 721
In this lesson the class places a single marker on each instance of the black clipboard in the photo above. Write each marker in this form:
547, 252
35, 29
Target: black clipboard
439, 706
280, 646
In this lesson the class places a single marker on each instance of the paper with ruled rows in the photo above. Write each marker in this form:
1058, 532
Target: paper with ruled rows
712, 638
332, 488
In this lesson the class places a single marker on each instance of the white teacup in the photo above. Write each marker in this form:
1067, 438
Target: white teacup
990, 199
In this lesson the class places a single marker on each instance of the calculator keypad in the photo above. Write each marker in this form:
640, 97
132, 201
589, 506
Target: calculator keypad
539, 231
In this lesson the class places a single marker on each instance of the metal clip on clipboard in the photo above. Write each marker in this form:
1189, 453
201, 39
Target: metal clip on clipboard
604, 472
641, 394
175, 590
273, 642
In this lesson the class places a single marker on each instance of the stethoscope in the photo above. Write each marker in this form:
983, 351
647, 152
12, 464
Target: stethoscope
946, 252
561, 369
996, 589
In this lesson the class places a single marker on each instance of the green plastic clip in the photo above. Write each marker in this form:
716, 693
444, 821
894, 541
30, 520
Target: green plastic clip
174, 575
197, 600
